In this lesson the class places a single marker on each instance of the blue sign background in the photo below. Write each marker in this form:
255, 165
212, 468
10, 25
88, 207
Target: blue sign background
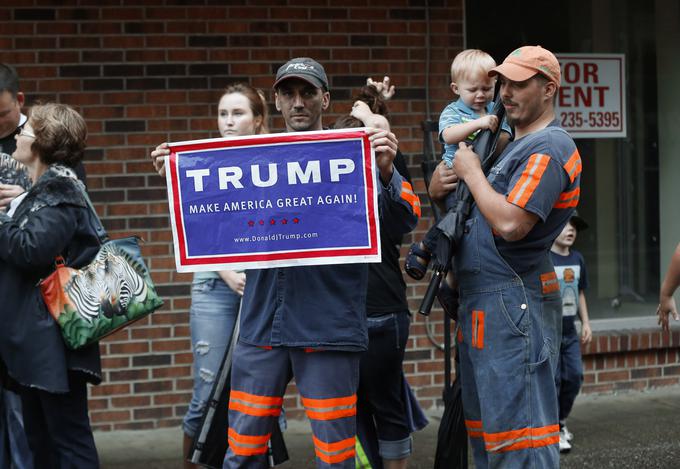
216, 231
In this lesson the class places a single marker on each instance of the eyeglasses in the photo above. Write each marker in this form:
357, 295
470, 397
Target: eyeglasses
26, 133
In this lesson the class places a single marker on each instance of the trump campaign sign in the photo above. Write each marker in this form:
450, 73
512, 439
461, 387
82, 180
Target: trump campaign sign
591, 101
276, 200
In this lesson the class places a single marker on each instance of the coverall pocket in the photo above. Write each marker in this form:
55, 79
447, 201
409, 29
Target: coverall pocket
543, 359
515, 310
552, 321
467, 259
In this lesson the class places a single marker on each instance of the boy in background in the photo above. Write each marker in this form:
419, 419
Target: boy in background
461, 121
571, 273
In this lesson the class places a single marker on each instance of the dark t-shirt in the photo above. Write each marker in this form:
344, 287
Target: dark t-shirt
573, 277
386, 286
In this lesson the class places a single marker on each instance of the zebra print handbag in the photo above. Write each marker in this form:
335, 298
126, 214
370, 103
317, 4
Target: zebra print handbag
113, 291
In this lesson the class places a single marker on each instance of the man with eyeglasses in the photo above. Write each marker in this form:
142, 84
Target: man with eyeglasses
13, 180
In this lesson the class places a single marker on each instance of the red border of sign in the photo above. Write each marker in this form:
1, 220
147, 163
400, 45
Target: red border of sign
621, 79
184, 260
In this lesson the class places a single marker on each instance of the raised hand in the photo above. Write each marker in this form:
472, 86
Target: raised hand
384, 88
665, 310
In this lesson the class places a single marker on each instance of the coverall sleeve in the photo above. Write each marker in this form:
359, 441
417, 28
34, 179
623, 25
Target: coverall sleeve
537, 184
399, 205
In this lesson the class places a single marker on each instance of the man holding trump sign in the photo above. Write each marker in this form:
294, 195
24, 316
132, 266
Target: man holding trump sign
308, 321
312, 319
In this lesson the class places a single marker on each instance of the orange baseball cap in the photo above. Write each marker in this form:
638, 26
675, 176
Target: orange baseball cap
527, 61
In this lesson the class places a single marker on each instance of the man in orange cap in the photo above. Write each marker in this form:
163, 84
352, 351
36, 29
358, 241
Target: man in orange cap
510, 314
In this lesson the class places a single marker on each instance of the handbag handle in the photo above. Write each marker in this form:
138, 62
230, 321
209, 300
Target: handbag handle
97, 224
102, 236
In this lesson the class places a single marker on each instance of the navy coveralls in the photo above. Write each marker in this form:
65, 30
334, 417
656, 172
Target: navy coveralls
310, 323
510, 310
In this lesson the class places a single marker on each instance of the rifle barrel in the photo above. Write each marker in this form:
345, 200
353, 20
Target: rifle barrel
431, 293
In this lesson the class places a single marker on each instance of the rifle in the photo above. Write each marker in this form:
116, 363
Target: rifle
450, 227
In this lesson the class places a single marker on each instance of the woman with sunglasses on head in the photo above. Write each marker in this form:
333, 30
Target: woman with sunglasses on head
51, 219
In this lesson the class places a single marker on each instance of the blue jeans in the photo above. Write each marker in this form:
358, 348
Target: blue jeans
214, 309
381, 383
14, 450
569, 374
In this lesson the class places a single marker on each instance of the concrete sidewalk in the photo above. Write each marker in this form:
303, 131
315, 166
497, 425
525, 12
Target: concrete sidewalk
633, 430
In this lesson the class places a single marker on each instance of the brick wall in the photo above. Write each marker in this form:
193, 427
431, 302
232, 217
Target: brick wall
146, 72
631, 360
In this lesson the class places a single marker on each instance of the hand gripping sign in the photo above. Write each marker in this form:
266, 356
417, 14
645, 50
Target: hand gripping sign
276, 200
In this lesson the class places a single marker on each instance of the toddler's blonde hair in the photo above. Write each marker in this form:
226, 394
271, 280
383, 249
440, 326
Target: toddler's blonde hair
471, 63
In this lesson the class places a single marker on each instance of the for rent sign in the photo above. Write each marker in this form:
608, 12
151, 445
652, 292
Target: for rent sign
303, 198
591, 101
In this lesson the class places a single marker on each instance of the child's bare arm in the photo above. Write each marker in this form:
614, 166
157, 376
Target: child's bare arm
456, 133
361, 111
586, 333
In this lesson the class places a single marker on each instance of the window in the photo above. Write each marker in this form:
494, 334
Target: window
622, 182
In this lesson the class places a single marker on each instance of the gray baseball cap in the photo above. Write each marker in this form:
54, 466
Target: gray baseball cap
305, 69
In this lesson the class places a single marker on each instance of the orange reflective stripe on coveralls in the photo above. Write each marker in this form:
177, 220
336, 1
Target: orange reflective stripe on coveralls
333, 453
251, 404
524, 438
329, 409
245, 445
